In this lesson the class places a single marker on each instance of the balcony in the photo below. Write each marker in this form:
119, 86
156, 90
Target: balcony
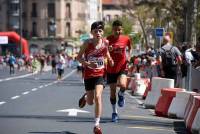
14, 1
14, 26
14, 12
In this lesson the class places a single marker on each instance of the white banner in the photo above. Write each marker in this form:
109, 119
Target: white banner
3, 39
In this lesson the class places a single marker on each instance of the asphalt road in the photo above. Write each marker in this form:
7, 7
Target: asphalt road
38, 104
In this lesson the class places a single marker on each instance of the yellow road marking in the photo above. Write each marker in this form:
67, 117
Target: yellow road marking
152, 128
149, 117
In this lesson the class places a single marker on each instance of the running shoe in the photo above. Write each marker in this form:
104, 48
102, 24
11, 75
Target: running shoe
115, 117
97, 130
82, 101
121, 100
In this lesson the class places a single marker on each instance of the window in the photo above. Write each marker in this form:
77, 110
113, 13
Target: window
67, 30
51, 28
116, 16
34, 10
34, 29
108, 18
68, 11
14, 7
51, 10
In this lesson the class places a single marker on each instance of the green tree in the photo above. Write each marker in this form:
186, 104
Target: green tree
180, 13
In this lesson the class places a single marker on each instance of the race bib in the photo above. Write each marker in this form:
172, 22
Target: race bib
97, 60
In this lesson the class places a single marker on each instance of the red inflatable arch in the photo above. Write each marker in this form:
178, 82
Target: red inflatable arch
13, 36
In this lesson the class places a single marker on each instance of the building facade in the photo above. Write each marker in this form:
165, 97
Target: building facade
113, 9
45, 18
49, 19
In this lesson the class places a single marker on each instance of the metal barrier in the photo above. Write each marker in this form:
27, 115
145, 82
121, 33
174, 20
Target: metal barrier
191, 81
194, 81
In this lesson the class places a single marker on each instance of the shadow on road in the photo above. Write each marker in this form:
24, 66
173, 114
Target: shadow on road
177, 126
52, 132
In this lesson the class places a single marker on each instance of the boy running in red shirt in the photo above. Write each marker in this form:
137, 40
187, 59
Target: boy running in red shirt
117, 73
94, 51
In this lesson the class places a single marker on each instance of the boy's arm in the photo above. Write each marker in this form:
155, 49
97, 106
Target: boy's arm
130, 49
80, 54
110, 60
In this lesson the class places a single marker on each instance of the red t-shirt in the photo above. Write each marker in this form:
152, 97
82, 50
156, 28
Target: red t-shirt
117, 49
92, 53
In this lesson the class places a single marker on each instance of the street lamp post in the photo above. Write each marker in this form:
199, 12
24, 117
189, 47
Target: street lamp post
52, 29
20, 26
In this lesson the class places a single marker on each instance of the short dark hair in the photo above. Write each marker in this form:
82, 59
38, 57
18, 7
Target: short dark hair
97, 25
117, 23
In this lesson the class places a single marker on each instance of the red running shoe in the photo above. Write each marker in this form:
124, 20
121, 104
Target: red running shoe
97, 130
82, 101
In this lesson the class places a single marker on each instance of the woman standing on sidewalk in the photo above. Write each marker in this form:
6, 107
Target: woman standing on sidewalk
94, 51
60, 66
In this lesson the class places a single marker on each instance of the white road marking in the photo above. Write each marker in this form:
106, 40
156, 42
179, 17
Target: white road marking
16, 77
41, 86
24, 93
72, 112
50, 84
69, 74
2, 102
34, 89
153, 128
15, 97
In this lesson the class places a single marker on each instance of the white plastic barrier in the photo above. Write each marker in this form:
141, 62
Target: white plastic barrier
196, 123
157, 84
140, 87
193, 108
137, 75
178, 105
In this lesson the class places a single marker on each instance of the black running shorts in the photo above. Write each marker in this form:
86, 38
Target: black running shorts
112, 77
92, 82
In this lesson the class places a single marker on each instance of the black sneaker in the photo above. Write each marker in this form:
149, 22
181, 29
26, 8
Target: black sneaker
82, 101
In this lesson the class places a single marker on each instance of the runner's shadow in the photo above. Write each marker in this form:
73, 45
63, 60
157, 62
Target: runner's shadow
177, 126
57, 118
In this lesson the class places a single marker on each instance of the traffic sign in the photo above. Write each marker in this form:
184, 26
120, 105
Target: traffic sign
159, 32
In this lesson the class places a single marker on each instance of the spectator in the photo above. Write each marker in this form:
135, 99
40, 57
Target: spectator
11, 62
170, 59
53, 64
60, 66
